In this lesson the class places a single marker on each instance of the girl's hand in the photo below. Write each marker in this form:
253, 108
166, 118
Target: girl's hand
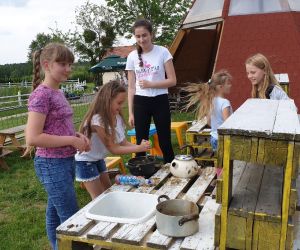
144, 84
81, 143
131, 121
145, 145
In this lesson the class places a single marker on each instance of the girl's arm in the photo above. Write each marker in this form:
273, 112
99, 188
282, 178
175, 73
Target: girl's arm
226, 113
36, 137
123, 147
167, 83
131, 92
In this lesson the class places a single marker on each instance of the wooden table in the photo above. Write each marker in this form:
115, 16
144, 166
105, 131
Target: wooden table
145, 235
10, 134
266, 135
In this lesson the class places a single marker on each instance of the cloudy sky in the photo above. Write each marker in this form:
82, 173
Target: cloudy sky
21, 20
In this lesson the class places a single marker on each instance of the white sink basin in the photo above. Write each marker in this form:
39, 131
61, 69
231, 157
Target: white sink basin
123, 207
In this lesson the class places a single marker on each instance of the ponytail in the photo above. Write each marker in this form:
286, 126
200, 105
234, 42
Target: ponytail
139, 51
202, 95
36, 69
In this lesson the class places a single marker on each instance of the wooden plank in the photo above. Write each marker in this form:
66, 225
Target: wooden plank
102, 230
217, 227
134, 234
286, 112
226, 190
254, 118
158, 240
286, 195
269, 201
14, 130
196, 191
220, 151
204, 238
298, 192
245, 197
296, 222
266, 235
236, 232
296, 160
158, 177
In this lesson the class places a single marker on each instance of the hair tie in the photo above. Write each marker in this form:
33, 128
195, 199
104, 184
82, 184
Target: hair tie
209, 82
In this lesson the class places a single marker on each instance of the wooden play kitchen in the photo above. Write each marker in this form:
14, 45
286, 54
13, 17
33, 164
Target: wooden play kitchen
265, 135
198, 143
114, 235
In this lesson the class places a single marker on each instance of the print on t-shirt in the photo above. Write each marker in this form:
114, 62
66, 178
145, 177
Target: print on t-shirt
146, 71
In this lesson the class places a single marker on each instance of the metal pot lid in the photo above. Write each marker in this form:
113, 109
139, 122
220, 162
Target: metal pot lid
184, 157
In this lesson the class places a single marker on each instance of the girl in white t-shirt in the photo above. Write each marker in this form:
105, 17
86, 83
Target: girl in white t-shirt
103, 115
210, 102
150, 74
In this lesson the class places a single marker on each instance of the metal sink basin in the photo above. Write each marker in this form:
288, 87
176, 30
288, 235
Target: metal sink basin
123, 207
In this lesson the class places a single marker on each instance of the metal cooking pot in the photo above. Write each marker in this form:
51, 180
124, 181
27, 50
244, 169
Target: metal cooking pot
143, 166
176, 218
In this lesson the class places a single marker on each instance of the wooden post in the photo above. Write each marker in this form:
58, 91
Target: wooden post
226, 190
286, 195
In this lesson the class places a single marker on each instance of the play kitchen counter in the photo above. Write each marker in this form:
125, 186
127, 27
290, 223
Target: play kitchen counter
113, 235
258, 214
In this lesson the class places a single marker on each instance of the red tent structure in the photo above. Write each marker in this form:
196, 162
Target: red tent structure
217, 34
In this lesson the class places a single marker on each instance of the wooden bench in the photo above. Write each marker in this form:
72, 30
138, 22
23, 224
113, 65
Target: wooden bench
7, 137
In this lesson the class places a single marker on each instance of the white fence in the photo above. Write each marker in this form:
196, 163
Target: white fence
29, 84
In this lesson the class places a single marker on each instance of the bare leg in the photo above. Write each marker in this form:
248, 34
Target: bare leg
94, 187
105, 181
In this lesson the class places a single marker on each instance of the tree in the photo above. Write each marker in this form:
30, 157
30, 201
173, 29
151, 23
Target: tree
165, 15
40, 41
97, 32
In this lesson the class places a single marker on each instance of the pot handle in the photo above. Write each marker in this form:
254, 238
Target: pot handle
188, 218
162, 196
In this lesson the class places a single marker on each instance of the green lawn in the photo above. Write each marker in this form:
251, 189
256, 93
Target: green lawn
23, 201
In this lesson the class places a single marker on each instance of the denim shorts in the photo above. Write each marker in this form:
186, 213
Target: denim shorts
89, 170
214, 143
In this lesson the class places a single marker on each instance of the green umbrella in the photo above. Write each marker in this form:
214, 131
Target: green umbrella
110, 63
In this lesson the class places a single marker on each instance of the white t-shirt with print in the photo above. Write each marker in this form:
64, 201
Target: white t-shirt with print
98, 150
216, 118
153, 69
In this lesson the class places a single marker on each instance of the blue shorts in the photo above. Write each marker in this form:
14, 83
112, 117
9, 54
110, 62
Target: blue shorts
89, 170
214, 143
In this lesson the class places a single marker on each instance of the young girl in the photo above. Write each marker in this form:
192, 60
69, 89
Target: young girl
210, 101
150, 74
50, 129
264, 83
104, 125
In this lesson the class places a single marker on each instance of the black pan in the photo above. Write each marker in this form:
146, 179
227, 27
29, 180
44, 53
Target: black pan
144, 166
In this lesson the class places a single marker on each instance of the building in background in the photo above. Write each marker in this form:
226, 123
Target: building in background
217, 34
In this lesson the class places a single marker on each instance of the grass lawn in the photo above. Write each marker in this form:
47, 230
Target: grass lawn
23, 201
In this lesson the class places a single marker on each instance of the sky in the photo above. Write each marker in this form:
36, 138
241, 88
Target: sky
22, 20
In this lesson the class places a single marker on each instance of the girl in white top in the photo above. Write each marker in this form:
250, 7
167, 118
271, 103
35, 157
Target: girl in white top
104, 125
210, 102
150, 74
261, 76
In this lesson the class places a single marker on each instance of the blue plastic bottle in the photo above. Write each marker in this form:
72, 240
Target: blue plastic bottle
132, 180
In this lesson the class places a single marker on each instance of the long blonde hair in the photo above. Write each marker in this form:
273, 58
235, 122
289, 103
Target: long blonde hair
52, 52
201, 95
261, 62
101, 105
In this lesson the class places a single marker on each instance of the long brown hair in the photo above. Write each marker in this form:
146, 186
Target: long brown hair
261, 62
201, 95
52, 52
101, 105
148, 26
